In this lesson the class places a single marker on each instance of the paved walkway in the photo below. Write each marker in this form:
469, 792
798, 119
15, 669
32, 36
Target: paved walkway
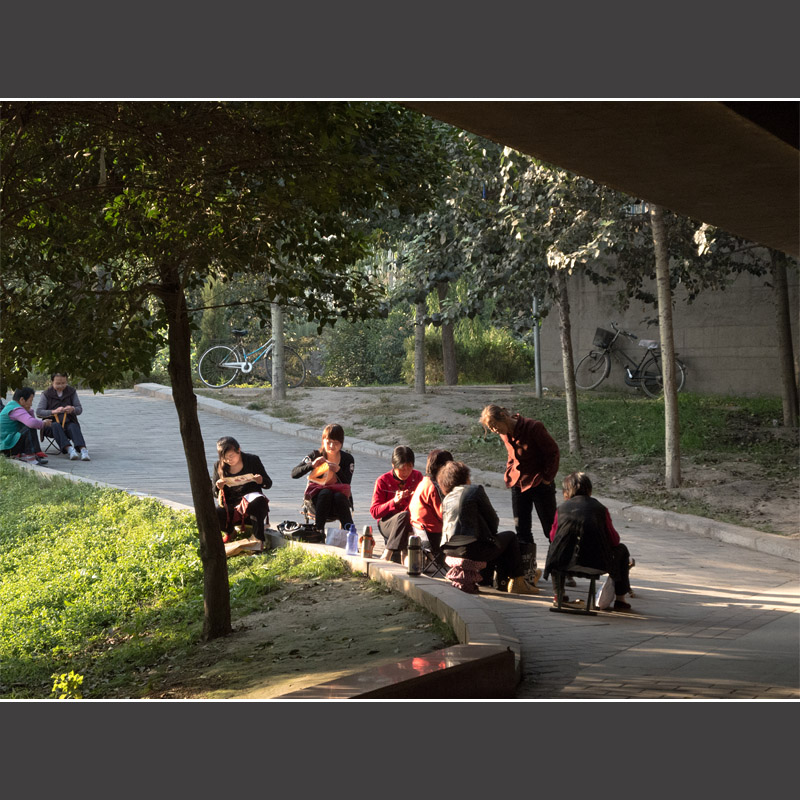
713, 619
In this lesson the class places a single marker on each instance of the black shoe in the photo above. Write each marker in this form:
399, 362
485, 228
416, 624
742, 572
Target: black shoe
41, 461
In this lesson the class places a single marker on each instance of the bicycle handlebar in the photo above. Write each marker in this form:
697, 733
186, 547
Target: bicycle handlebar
623, 331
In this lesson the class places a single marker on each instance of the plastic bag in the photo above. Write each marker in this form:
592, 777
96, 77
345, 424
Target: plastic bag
336, 537
605, 594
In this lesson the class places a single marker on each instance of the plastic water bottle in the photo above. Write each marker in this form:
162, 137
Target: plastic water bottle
414, 555
352, 540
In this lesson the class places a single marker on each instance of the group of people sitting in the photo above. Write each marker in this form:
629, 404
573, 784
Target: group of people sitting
453, 517
56, 418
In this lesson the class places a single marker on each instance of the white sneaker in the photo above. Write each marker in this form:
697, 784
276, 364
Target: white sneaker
85, 454
72, 453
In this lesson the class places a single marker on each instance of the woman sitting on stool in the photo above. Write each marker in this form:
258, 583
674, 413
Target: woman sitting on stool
426, 502
238, 479
470, 527
585, 522
330, 473
390, 500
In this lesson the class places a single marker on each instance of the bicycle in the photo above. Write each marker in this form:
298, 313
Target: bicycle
595, 367
221, 364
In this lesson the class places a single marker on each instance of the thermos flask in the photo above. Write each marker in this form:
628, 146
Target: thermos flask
367, 542
414, 555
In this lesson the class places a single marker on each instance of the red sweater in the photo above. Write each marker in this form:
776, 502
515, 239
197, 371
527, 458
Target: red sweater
383, 504
425, 508
533, 454
613, 536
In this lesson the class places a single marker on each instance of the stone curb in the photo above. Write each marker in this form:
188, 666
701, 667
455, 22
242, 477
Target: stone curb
251, 417
787, 547
471, 621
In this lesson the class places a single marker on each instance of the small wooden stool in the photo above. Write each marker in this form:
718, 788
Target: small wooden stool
580, 572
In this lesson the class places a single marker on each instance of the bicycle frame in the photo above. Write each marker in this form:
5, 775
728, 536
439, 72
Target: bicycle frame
247, 362
634, 372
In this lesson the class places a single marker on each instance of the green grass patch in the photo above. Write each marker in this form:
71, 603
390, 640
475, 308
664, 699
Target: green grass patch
634, 426
420, 436
377, 421
106, 585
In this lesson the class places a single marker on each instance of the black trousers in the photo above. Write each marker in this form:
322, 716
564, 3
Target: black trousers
502, 553
331, 505
27, 444
543, 499
620, 570
257, 512
62, 435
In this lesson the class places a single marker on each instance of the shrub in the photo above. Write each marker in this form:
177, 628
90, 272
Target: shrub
484, 355
367, 353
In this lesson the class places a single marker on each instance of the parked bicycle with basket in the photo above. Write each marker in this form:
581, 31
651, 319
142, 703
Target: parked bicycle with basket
647, 375
221, 364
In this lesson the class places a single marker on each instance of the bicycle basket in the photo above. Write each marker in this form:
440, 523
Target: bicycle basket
602, 338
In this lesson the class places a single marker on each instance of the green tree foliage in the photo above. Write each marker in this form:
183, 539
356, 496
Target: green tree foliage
109, 206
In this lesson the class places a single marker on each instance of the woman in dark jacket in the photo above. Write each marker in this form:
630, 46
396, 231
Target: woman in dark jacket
583, 535
330, 473
470, 527
238, 479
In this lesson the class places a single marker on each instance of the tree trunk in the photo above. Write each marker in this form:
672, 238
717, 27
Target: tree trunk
567, 363
278, 359
419, 349
672, 444
216, 592
448, 343
785, 347
537, 351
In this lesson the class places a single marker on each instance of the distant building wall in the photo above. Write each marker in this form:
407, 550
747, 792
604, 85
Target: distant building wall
727, 339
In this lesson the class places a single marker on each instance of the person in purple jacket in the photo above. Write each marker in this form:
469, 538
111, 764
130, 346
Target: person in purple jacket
18, 428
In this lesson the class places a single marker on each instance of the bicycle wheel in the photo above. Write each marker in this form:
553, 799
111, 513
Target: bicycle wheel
653, 382
218, 366
592, 370
294, 370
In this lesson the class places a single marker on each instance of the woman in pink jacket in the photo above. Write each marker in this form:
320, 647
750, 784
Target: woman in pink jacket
18, 428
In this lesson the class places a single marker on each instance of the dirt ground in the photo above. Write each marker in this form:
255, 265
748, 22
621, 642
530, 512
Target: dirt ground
733, 489
306, 633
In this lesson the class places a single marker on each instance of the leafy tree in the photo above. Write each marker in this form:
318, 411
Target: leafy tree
436, 246
109, 206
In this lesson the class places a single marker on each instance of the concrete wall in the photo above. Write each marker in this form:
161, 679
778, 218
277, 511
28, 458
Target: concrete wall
727, 339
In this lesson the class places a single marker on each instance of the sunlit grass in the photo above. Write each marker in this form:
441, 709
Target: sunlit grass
106, 584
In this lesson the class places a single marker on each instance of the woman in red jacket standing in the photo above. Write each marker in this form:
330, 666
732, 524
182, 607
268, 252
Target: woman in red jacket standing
533, 458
